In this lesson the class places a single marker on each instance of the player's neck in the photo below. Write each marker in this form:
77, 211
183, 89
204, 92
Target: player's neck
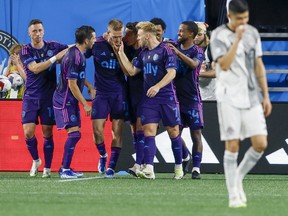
37, 45
81, 47
187, 44
153, 43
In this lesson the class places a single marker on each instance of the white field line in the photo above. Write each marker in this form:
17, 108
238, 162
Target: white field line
80, 179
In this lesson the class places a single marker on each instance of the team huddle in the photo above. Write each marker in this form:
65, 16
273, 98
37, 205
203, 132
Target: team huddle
143, 78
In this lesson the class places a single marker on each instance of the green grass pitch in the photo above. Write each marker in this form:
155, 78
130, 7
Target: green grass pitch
125, 195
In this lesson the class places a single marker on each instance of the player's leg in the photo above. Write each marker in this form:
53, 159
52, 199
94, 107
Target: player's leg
150, 130
98, 136
46, 115
229, 125
29, 122
116, 146
196, 124
100, 111
139, 148
197, 150
177, 150
170, 114
258, 135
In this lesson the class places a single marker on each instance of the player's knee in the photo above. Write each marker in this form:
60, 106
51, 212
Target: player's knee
260, 147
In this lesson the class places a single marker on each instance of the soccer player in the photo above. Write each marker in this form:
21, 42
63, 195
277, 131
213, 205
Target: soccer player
160, 28
190, 58
158, 63
135, 94
110, 97
38, 58
68, 94
240, 74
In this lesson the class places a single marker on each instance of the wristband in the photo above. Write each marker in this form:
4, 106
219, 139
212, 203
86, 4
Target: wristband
53, 59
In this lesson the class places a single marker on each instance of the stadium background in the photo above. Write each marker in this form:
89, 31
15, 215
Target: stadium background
61, 18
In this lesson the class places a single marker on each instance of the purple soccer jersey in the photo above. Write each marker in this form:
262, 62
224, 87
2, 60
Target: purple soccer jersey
109, 77
154, 64
66, 108
72, 68
186, 80
42, 85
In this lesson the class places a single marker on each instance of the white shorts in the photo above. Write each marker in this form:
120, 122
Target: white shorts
235, 123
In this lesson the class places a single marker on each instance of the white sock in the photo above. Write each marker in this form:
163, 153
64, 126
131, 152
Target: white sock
197, 169
250, 159
178, 166
230, 167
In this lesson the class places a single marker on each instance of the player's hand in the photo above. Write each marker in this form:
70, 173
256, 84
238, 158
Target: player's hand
153, 91
173, 48
267, 107
92, 93
87, 109
240, 30
60, 55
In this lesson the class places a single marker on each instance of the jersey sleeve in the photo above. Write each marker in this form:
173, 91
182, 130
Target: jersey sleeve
73, 65
170, 59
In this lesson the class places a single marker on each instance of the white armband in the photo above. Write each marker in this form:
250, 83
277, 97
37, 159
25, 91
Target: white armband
53, 59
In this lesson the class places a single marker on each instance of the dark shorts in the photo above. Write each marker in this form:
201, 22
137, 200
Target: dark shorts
105, 104
153, 113
33, 109
67, 117
192, 117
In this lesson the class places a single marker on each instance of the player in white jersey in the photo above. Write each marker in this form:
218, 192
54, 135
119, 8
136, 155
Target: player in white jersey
242, 107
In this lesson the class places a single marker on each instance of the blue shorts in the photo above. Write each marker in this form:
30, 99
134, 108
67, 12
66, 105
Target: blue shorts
67, 117
32, 109
192, 117
113, 104
153, 113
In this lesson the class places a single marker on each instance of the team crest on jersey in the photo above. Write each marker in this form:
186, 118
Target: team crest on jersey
155, 57
50, 53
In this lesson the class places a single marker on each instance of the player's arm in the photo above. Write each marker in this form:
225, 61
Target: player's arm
72, 83
262, 82
127, 67
191, 63
41, 66
226, 60
152, 91
90, 88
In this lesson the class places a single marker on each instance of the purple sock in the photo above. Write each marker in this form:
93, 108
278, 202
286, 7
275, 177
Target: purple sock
115, 152
140, 147
101, 148
149, 149
48, 151
177, 149
32, 147
69, 148
197, 158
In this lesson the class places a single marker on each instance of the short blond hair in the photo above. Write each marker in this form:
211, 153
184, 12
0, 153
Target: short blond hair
147, 27
15, 49
116, 25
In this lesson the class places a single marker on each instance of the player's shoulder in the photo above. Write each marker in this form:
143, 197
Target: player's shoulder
26, 49
100, 39
53, 44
